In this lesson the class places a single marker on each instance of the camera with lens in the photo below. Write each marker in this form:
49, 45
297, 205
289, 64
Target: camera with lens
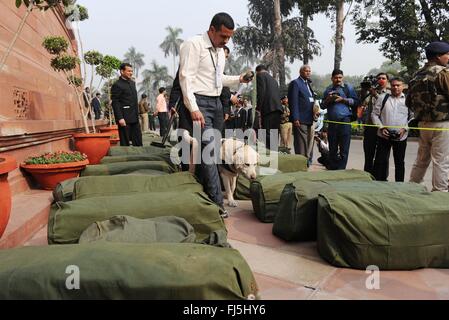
394, 134
369, 82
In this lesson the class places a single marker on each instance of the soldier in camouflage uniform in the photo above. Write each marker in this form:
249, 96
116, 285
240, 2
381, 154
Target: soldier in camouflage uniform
428, 98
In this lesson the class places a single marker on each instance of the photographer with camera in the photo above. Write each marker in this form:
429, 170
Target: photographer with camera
390, 111
339, 99
372, 88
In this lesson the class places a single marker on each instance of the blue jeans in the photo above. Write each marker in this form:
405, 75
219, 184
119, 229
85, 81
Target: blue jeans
339, 136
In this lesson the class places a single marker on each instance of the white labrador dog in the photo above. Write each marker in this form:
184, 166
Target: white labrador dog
238, 158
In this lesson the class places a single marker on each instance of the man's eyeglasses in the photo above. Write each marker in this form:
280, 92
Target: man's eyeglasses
381, 78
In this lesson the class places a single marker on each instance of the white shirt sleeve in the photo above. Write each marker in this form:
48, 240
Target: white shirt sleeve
189, 64
231, 81
375, 115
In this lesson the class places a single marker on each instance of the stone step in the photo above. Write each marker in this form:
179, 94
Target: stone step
29, 215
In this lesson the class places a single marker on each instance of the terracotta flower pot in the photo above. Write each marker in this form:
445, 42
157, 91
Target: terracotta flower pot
114, 141
49, 175
94, 145
111, 129
7, 164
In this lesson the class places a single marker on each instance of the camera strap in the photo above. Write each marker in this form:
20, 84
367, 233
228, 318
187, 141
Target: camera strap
384, 102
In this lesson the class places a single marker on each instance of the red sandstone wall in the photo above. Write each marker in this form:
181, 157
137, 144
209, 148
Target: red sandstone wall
27, 74
38, 109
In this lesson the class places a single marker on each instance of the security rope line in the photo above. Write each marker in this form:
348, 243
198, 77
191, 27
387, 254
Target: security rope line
386, 127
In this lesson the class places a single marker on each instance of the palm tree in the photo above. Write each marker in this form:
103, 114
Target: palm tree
146, 85
135, 59
154, 78
160, 75
172, 44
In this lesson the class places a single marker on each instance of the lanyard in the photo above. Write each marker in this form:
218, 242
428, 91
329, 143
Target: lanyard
212, 58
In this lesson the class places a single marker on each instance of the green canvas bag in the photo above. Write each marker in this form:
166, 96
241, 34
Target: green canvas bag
167, 229
119, 271
127, 229
127, 151
111, 169
141, 157
286, 163
296, 219
68, 220
393, 230
266, 191
64, 190
101, 186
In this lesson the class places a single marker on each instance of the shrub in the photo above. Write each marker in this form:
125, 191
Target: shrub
55, 45
93, 58
57, 157
64, 63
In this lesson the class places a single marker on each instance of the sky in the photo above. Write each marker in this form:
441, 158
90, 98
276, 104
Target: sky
116, 25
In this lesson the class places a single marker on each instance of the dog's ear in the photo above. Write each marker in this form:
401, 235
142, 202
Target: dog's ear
239, 157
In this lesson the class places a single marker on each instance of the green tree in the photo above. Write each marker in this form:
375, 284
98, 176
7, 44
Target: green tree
172, 44
135, 59
258, 39
307, 9
237, 64
393, 68
403, 28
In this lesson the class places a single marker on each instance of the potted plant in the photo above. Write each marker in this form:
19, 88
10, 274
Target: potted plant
94, 145
7, 164
114, 139
51, 168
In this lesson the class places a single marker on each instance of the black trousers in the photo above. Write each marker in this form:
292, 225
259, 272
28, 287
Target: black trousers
163, 123
339, 144
131, 132
382, 161
370, 147
97, 113
152, 121
271, 121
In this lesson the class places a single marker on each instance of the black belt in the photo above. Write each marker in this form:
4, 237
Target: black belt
206, 97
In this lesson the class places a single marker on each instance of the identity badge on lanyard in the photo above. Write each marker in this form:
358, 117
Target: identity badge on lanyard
218, 71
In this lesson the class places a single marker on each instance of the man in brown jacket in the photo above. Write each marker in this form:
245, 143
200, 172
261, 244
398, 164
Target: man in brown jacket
144, 107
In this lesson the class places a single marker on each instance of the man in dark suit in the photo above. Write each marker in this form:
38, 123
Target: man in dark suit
301, 99
268, 103
126, 107
249, 114
96, 106
240, 116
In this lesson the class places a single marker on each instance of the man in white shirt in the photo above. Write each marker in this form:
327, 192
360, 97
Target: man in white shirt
391, 111
162, 112
202, 62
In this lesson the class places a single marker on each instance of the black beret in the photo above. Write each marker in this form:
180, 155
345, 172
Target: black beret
437, 47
